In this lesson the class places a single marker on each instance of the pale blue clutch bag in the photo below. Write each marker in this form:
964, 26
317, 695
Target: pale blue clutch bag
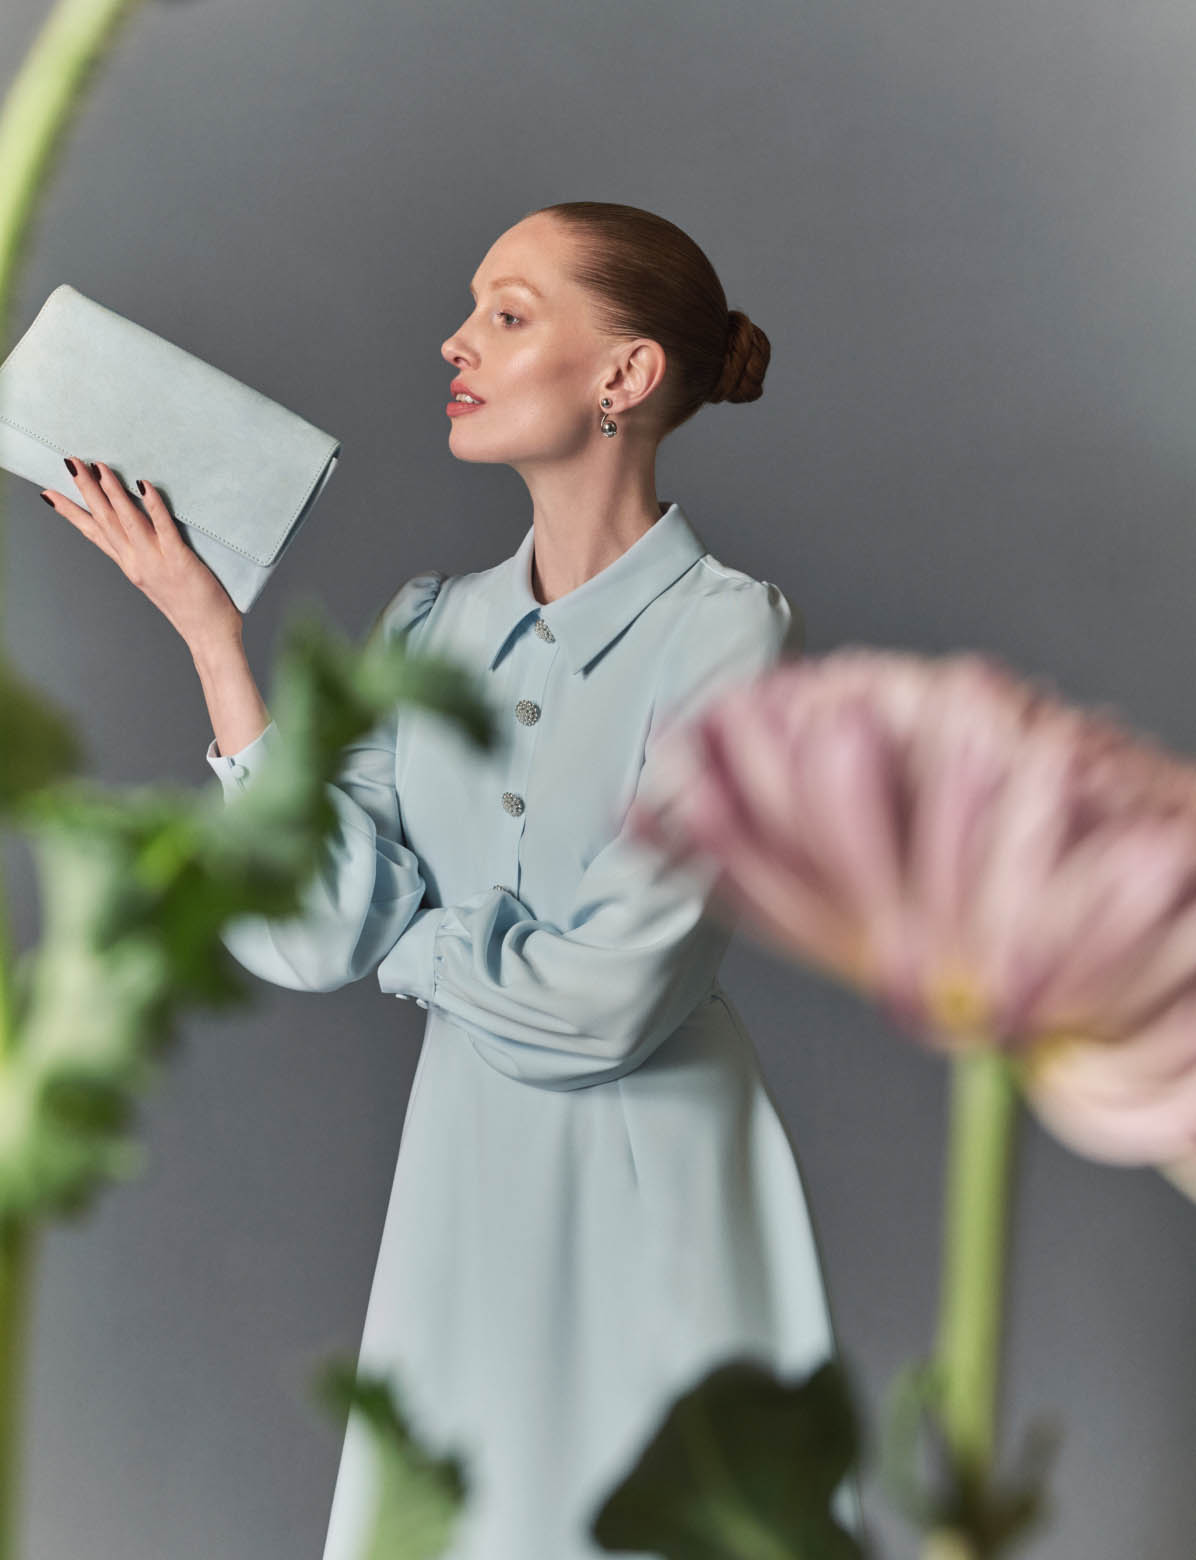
238, 472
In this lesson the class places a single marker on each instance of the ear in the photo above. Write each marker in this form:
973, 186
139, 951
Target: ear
638, 370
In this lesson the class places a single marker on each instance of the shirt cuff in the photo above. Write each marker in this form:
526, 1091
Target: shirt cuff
409, 969
236, 770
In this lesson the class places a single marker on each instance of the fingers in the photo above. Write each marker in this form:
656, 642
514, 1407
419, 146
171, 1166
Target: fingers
113, 521
132, 517
163, 520
82, 521
109, 489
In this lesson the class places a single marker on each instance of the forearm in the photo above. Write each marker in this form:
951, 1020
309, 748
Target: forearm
235, 706
565, 1007
368, 885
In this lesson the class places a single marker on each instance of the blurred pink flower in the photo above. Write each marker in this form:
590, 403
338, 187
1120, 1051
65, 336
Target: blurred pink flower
990, 864
1127, 1102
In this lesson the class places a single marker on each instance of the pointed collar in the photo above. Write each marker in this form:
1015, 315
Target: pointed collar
586, 619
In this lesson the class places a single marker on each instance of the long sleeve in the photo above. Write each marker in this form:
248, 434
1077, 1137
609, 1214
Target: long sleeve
369, 883
563, 1007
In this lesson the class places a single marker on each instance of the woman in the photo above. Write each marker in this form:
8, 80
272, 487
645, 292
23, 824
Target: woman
595, 1200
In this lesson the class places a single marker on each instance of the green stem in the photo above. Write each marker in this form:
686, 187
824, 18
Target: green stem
8, 1017
37, 110
35, 117
983, 1119
17, 1247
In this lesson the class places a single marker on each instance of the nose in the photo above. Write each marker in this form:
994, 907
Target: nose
454, 350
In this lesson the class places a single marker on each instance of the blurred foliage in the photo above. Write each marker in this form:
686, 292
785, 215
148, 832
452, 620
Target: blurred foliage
421, 1498
992, 1514
136, 887
744, 1464
37, 742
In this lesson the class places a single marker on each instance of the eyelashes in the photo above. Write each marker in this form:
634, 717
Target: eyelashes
505, 314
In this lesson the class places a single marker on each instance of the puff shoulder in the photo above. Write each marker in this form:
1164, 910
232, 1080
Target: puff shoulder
408, 606
736, 628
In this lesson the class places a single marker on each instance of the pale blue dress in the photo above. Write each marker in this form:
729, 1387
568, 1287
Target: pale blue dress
595, 1200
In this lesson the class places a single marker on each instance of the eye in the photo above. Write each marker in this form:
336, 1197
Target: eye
504, 314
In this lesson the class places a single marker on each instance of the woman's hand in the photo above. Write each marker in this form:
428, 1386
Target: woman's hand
150, 552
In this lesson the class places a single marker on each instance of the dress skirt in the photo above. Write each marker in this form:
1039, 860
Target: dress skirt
557, 1266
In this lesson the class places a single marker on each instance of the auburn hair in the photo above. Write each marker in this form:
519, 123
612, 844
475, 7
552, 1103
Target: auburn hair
648, 278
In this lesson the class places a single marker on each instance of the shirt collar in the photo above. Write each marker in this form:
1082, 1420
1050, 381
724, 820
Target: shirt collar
586, 619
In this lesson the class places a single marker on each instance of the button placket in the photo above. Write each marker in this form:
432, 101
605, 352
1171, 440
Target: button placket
532, 676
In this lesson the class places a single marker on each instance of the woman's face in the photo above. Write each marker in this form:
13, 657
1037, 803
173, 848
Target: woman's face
535, 359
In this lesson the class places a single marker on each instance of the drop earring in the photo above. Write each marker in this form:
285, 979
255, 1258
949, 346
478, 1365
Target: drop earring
608, 424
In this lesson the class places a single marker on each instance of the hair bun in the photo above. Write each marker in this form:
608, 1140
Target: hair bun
745, 363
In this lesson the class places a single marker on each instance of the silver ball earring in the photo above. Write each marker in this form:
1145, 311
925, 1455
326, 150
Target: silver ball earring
608, 424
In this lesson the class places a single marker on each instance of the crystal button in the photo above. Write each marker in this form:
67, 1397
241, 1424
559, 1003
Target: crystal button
527, 711
544, 631
513, 803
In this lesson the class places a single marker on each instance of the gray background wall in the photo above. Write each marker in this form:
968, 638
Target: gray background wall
968, 229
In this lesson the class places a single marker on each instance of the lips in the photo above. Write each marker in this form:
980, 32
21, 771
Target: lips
458, 388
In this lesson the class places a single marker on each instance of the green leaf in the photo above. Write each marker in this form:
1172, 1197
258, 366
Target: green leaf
37, 743
421, 1497
992, 1514
136, 889
89, 1024
745, 1464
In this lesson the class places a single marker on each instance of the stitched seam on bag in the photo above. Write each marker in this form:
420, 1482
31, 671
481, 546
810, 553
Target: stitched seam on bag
193, 524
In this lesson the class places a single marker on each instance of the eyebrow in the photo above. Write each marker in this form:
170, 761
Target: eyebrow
511, 281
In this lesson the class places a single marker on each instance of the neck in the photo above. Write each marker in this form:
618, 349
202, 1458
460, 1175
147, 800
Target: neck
582, 527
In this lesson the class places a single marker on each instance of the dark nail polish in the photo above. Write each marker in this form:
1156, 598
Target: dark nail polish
48, 500
70, 466
140, 485
95, 470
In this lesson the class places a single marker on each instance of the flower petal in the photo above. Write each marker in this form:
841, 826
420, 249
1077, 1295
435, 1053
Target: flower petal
1130, 1101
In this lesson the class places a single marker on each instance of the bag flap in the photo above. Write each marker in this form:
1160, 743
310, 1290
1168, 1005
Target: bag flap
227, 459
